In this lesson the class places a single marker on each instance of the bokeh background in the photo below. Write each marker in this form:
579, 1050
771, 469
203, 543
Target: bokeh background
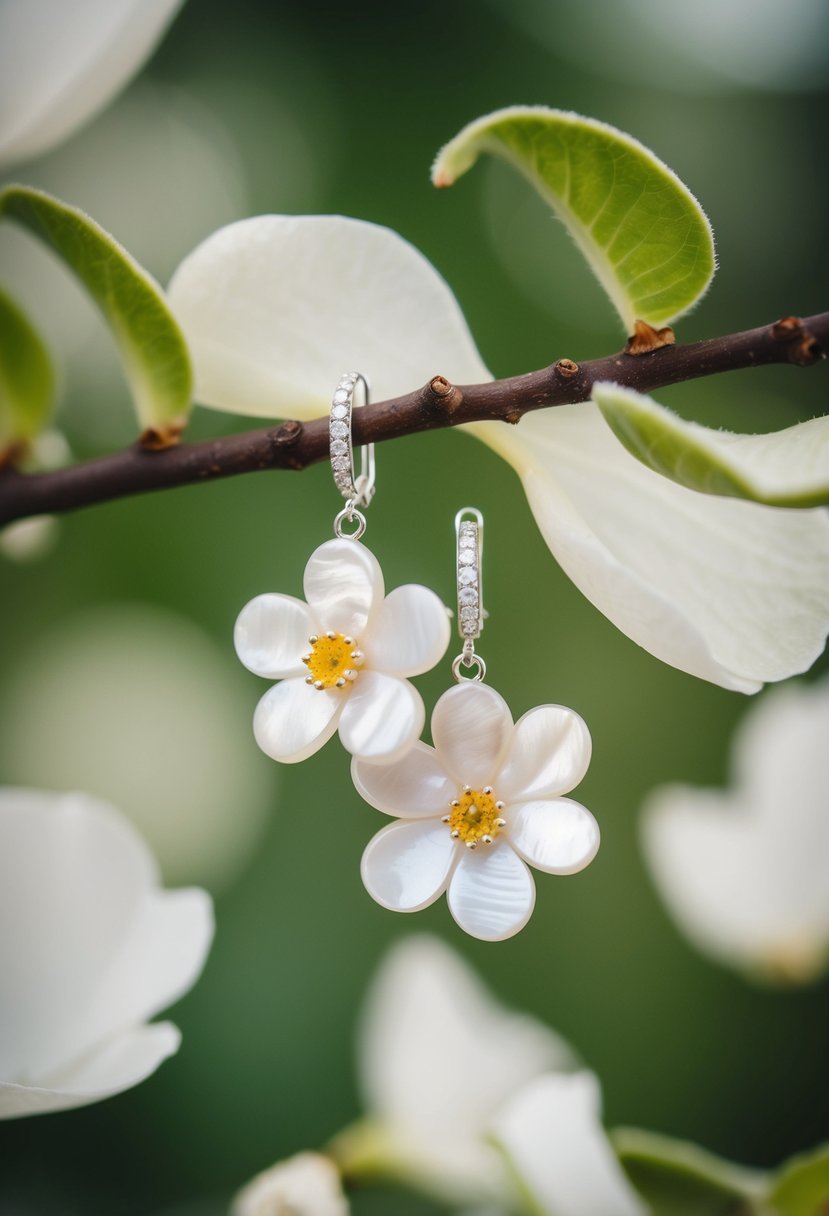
118, 672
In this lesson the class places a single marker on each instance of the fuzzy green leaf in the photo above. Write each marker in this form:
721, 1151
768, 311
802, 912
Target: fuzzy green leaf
643, 233
153, 350
679, 1179
27, 378
788, 468
802, 1186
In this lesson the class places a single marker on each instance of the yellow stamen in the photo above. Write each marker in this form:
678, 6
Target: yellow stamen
475, 816
331, 662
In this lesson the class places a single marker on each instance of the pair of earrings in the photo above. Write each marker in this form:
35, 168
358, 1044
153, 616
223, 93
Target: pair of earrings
487, 799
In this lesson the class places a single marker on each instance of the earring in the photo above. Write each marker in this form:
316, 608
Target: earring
344, 654
473, 810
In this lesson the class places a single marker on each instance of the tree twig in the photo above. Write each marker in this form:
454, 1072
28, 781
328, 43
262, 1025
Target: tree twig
295, 445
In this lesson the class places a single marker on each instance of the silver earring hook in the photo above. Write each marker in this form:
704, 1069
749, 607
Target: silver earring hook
469, 535
357, 491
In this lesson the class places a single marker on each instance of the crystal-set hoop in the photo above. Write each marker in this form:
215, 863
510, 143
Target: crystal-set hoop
357, 491
469, 533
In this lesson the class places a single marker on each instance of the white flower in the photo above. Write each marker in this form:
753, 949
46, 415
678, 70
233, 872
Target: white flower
743, 872
90, 948
342, 658
305, 1185
476, 807
437, 1057
61, 63
732, 592
552, 1134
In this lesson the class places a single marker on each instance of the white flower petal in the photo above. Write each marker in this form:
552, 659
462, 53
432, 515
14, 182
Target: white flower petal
293, 720
556, 835
382, 717
276, 307
471, 727
427, 1025
552, 1134
743, 872
61, 63
159, 961
729, 591
305, 1185
125, 1060
343, 584
91, 948
406, 866
63, 858
411, 632
271, 635
415, 786
491, 894
549, 753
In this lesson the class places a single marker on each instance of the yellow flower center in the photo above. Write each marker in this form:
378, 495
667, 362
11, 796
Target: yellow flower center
332, 661
475, 817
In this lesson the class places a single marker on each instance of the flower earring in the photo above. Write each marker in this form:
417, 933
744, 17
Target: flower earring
486, 799
343, 656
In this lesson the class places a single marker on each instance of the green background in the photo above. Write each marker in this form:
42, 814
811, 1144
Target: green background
267, 1064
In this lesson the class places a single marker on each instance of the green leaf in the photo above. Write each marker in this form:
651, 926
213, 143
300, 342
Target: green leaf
643, 233
679, 1179
27, 378
788, 468
802, 1186
152, 347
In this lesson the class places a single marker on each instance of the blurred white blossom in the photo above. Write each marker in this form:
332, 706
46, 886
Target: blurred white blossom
437, 1057
305, 1185
743, 871
732, 592
60, 63
90, 948
140, 707
552, 1134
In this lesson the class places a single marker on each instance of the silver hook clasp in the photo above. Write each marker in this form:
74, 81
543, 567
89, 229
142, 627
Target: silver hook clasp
469, 534
358, 491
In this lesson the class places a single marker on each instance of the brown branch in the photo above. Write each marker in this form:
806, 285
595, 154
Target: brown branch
295, 445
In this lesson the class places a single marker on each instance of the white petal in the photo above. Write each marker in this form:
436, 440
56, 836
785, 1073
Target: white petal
492, 893
158, 962
552, 1134
729, 591
61, 63
293, 720
427, 1025
415, 786
471, 728
556, 835
406, 866
411, 632
343, 584
549, 753
276, 307
382, 717
127, 1059
743, 872
305, 1185
271, 635
63, 858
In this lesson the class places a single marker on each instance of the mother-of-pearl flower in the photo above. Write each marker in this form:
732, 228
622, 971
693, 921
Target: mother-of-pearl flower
342, 658
90, 949
477, 807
